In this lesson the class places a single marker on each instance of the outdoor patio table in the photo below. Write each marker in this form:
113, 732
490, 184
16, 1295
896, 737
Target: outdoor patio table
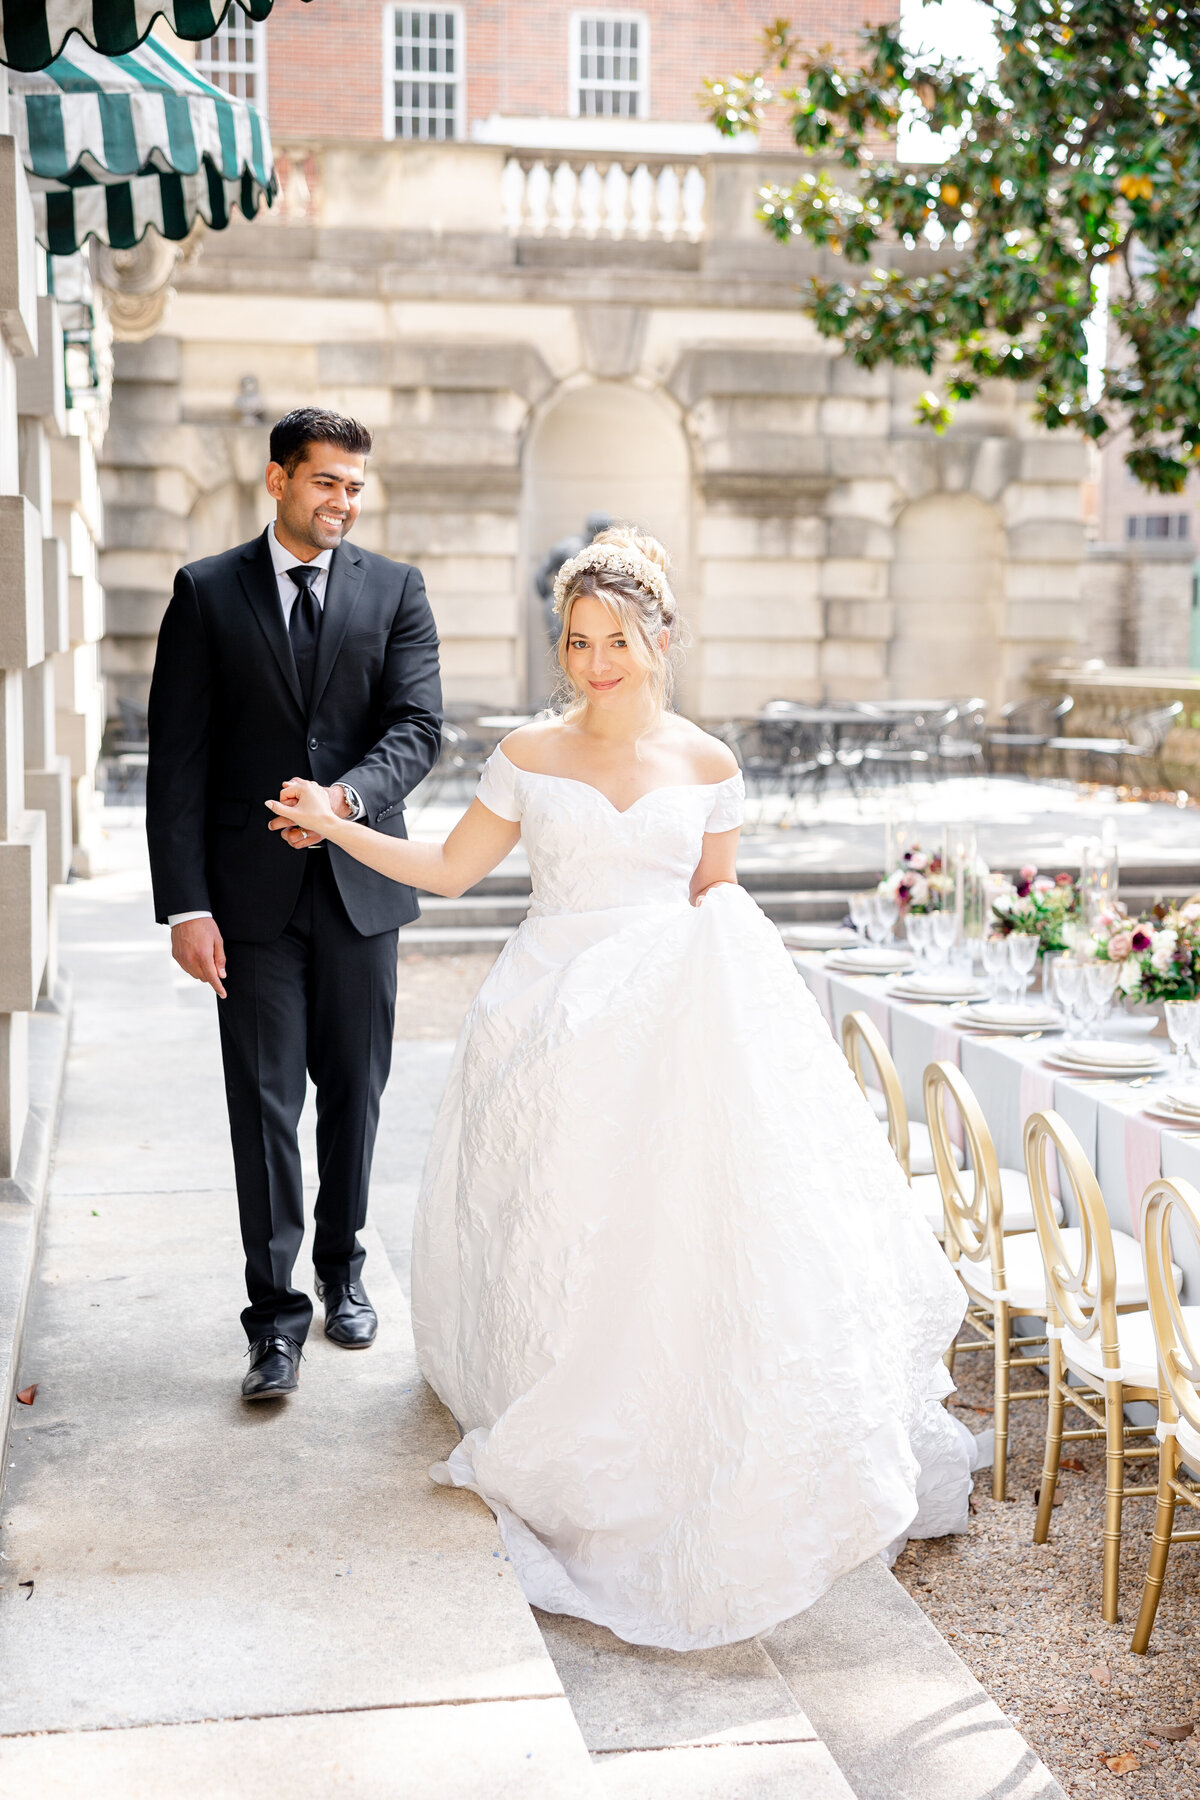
1009, 1077
504, 721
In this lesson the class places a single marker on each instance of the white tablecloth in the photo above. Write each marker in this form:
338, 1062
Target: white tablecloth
1010, 1081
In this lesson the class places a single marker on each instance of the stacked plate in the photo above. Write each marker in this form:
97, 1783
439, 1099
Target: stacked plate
1178, 1106
1010, 1020
871, 959
818, 937
943, 987
1119, 1057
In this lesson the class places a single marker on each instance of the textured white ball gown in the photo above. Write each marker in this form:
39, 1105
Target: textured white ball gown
668, 1276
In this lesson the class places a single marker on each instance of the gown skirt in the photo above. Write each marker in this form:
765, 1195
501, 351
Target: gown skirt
670, 1281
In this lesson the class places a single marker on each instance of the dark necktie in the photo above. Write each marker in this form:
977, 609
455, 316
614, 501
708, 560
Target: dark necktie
304, 626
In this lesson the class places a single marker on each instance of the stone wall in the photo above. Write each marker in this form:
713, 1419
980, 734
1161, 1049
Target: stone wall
826, 545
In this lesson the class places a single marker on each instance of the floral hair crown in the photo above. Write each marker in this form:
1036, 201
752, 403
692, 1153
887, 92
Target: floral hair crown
616, 559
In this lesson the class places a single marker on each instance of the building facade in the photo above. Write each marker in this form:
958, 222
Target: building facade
508, 242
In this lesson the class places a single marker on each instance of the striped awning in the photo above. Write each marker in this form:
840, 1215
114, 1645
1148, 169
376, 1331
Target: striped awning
115, 145
33, 32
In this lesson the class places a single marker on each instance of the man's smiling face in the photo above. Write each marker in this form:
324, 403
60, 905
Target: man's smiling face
316, 504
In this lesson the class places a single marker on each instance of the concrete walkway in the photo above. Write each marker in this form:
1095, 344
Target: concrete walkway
204, 1601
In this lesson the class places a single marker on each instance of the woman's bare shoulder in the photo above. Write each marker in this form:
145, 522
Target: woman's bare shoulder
711, 760
533, 747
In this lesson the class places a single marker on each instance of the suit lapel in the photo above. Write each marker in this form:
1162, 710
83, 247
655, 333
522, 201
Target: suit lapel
262, 591
342, 591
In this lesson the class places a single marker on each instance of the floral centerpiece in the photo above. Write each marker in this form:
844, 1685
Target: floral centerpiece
1037, 906
1159, 955
920, 881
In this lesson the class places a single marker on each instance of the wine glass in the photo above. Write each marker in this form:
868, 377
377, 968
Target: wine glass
1023, 947
995, 958
1067, 986
1100, 982
917, 931
884, 912
1183, 1023
944, 930
860, 912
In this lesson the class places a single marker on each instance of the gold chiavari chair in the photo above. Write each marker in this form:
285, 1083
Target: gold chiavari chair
909, 1139
1176, 1331
1099, 1332
992, 1245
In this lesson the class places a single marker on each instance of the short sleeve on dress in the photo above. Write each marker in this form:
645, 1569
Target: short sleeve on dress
729, 805
498, 787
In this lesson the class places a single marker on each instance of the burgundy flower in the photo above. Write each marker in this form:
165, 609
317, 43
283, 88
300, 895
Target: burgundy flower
1023, 890
1141, 938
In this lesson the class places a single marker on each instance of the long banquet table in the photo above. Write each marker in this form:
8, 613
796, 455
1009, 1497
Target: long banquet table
1009, 1078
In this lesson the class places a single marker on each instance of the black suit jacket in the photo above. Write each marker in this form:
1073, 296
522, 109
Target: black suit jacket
228, 725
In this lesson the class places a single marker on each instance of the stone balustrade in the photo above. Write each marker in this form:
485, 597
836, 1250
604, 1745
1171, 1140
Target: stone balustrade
589, 196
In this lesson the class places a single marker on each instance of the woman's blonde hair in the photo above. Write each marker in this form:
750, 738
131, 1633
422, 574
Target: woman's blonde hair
628, 571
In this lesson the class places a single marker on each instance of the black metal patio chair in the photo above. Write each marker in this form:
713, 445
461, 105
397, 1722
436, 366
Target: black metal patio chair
1017, 744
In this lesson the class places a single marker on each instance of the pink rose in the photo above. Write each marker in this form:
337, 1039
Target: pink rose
1028, 872
1119, 946
1063, 880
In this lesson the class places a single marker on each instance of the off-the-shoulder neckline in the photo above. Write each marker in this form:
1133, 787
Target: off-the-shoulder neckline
670, 787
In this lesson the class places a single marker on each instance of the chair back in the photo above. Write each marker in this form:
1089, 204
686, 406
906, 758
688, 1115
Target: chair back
859, 1033
974, 1225
1150, 730
1167, 1206
1081, 1294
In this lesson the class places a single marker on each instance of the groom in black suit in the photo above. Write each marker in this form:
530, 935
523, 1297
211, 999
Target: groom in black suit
295, 654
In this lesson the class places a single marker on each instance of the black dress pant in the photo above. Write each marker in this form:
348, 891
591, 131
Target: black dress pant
320, 1000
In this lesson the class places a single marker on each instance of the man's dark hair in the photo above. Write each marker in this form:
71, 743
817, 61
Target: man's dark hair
313, 425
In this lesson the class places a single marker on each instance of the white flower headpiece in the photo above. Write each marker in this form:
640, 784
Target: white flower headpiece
616, 559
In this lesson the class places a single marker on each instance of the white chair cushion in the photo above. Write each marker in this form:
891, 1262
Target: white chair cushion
1014, 1190
927, 1192
877, 1102
920, 1150
1026, 1278
1135, 1335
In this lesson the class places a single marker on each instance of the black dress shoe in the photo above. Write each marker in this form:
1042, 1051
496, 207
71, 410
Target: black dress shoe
349, 1316
274, 1369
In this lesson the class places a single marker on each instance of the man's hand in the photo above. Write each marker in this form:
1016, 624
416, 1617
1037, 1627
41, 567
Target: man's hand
308, 840
198, 948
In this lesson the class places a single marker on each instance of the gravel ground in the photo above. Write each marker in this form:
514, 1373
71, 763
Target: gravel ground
434, 992
1026, 1618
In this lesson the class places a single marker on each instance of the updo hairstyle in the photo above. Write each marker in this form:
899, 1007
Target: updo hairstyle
628, 571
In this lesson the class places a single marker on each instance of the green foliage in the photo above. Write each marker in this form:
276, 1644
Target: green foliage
1081, 154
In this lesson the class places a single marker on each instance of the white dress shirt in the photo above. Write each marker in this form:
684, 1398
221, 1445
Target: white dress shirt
282, 560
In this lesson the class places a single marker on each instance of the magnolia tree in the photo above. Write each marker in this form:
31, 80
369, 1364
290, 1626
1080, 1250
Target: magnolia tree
1079, 158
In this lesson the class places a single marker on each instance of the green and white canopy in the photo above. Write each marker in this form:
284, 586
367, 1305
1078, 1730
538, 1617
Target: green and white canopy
115, 145
33, 32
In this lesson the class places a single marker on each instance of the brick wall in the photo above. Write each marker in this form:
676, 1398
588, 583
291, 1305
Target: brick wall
325, 60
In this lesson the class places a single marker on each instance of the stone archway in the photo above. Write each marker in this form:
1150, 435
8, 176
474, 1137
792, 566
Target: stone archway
606, 447
947, 589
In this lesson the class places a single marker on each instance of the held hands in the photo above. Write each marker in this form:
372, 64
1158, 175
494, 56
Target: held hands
306, 811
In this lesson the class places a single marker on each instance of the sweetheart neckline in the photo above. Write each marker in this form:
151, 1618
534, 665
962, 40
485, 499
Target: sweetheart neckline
668, 787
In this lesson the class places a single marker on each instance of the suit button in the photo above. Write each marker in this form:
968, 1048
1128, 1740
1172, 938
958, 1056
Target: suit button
312, 744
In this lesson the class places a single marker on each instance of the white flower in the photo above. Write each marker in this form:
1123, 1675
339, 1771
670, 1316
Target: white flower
1130, 978
918, 891
1163, 951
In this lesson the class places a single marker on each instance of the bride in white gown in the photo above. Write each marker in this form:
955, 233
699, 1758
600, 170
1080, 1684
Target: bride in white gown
667, 1274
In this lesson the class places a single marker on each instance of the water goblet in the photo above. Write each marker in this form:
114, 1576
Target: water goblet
1023, 947
1066, 982
1100, 982
944, 931
860, 912
995, 958
1183, 1024
917, 931
884, 913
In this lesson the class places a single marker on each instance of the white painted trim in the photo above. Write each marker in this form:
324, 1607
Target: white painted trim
388, 49
614, 16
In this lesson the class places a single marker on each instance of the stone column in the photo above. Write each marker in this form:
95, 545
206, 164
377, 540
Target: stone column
23, 901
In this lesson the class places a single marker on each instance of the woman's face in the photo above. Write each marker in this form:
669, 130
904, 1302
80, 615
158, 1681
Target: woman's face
600, 659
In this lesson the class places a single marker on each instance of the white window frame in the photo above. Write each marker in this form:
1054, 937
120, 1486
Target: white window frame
212, 68
575, 51
390, 13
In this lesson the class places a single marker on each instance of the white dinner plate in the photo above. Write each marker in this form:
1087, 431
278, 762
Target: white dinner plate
1101, 1053
818, 937
868, 962
1012, 1018
904, 990
1093, 1072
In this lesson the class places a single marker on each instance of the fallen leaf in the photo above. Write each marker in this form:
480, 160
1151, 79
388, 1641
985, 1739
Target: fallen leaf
1125, 1764
1060, 1712
1069, 1462
29, 1585
28, 1395
1176, 1733
1101, 1673
1151, 1743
